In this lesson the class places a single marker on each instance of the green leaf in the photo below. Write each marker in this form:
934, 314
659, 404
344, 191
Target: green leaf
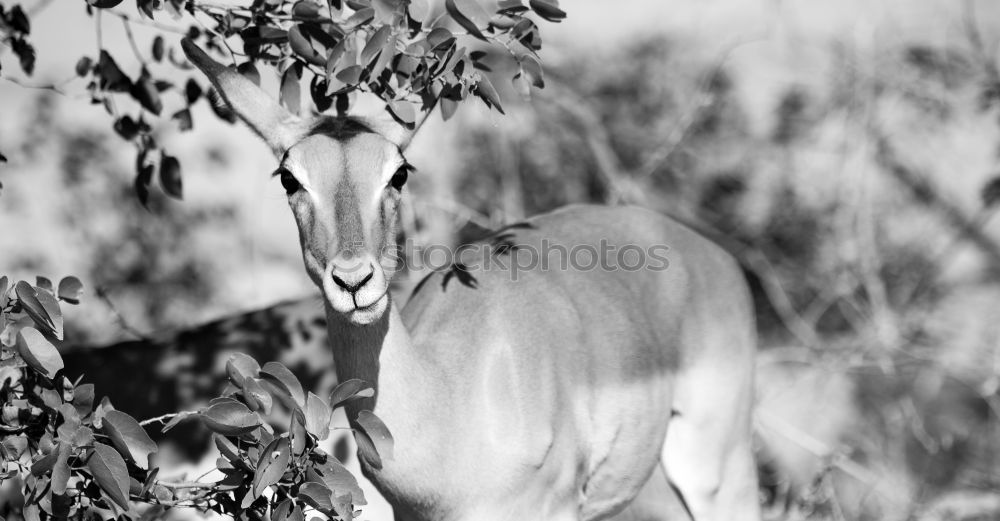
25, 54
303, 47
375, 44
403, 112
175, 420
317, 90
255, 392
158, 48
440, 37
388, 12
290, 95
486, 92
278, 373
112, 77
262, 34
419, 10
41, 307
306, 9
533, 70
241, 366
448, 108
60, 470
42, 465
378, 438
170, 176
82, 437
360, 17
71, 421
129, 437
183, 119
143, 177
193, 91
318, 496
300, 439
548, 9
83, 66
44, 283
521, 85
104, 4
333, 58
230, 419
18, 20
126, 127
511, 5
230, 452
83, 399
110, 473
144, 91
271, 465
469, 14
38, 352
70, 289
338, 479
350, 390
286, 511
990, 193
317, 414
385, 56
350, 75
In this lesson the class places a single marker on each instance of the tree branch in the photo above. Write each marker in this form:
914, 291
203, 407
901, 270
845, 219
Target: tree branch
925, 193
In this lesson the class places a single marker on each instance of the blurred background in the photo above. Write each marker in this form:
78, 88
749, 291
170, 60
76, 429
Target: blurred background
845, 152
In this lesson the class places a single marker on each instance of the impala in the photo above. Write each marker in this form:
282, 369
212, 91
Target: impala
554, 396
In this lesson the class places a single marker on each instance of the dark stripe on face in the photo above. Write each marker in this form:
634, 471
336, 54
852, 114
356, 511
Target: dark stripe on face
350, 231
340, 129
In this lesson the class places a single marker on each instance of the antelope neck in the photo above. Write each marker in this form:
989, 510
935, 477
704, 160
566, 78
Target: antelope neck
370, 353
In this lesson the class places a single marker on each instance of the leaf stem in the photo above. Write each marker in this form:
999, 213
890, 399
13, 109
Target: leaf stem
131, 41
166, 417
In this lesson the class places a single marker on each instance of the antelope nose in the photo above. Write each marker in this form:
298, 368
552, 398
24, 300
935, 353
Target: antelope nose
351, 274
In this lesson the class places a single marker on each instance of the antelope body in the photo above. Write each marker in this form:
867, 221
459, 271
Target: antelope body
553, 395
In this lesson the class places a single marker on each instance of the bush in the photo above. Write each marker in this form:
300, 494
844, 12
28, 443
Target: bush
77, 460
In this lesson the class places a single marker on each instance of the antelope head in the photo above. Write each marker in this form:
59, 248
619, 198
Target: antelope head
343, 177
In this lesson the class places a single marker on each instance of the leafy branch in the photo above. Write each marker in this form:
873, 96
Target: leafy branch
77, 459
394, 50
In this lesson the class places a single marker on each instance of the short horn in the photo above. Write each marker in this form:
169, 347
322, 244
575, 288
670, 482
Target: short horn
278, 127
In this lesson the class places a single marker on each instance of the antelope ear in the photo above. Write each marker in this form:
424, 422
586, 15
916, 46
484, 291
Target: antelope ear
279, 128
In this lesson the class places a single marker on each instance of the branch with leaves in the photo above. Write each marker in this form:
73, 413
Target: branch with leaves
77, 460
395, 50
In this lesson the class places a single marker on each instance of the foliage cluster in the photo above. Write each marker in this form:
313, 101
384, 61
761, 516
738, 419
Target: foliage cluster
398, 50
82, 459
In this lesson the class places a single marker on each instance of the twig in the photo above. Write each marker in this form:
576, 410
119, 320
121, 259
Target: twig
147, 23
976, 40
185, 485
213, 32
814, 446
99, 30
131, 41
596, 139
54, 87
925, 193
122, 322
166, 417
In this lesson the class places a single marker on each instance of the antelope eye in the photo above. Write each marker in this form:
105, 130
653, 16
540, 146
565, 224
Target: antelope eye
399, 178
288, 181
